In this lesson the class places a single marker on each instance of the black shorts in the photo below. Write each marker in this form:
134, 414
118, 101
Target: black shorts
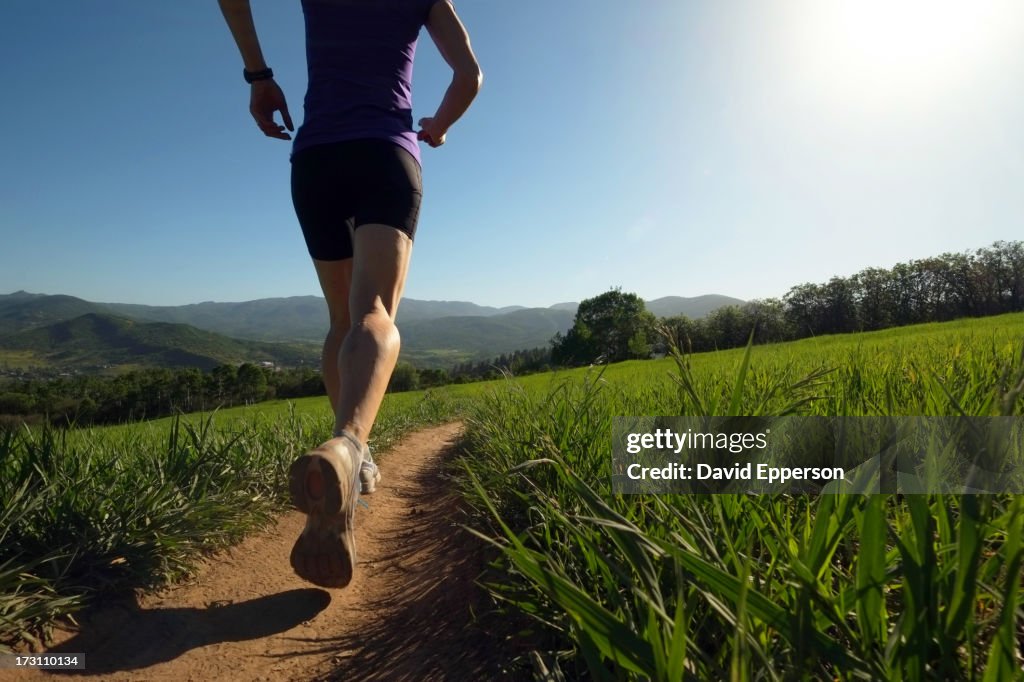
339, 186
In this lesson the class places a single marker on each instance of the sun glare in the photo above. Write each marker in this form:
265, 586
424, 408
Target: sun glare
912, 50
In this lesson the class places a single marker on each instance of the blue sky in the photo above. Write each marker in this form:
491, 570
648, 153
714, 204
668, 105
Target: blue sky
667, 147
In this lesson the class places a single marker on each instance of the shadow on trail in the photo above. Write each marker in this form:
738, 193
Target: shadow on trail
126, 637
429, 629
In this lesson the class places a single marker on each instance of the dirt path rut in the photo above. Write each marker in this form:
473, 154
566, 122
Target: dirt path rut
246, 616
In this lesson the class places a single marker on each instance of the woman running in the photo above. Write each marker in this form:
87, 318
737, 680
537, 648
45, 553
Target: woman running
356, 187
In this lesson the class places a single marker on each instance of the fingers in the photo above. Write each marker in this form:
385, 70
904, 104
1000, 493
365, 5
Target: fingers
286, 116
276, 129
272, 129
424, 136
431, 138
266, 99
267, 124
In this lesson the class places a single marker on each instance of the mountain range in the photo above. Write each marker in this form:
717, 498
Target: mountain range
68, 332
98, 341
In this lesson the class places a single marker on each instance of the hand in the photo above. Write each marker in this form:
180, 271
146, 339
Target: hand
266, 98
431, 133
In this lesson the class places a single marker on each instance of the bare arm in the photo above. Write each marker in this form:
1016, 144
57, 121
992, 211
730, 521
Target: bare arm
452, 42
265, 96
238, 14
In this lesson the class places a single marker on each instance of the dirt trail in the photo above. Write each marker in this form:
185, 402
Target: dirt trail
246, 616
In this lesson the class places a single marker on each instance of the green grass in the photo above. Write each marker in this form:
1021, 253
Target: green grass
86, 512
440, 359
612, 587
771, 587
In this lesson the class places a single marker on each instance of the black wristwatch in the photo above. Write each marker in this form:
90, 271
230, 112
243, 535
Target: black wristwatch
252, 76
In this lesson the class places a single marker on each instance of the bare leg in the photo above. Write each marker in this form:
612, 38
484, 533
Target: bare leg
336, 283
325, 482
370, 350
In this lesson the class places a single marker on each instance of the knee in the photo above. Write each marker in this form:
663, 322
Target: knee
379, 324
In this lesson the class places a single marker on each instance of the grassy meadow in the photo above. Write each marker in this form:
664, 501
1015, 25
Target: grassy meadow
754, 587
607, 586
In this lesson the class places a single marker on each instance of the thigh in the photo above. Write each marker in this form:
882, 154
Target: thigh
379, 269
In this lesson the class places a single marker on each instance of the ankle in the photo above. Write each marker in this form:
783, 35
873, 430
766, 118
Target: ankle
357, 444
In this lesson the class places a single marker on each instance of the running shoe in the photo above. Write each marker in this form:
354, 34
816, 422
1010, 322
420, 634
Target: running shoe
369, 473
325, 484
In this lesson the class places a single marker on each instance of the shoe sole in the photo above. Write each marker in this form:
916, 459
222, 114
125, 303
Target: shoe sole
325, 552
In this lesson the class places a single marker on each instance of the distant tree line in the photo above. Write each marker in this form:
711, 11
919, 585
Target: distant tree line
409, 378
86, 400
989, 281
516, 363
152, 393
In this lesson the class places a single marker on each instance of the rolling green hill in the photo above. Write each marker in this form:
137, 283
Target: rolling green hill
22, 310
692, 307
456, 339
97, 341
285, 319
434, 333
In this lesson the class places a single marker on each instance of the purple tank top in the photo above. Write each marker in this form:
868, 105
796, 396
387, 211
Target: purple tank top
359, 54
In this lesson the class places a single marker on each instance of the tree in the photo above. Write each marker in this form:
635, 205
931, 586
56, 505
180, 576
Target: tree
252, 382
804, 306
222, 382
404, 378
767, 317
15, 403
575, 348
611, 327
840, 314
434, 377
876, 298
691, 336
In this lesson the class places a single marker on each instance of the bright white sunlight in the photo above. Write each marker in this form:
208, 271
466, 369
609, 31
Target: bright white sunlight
910, 50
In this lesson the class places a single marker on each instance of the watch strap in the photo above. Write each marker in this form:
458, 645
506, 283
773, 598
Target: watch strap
253, 76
